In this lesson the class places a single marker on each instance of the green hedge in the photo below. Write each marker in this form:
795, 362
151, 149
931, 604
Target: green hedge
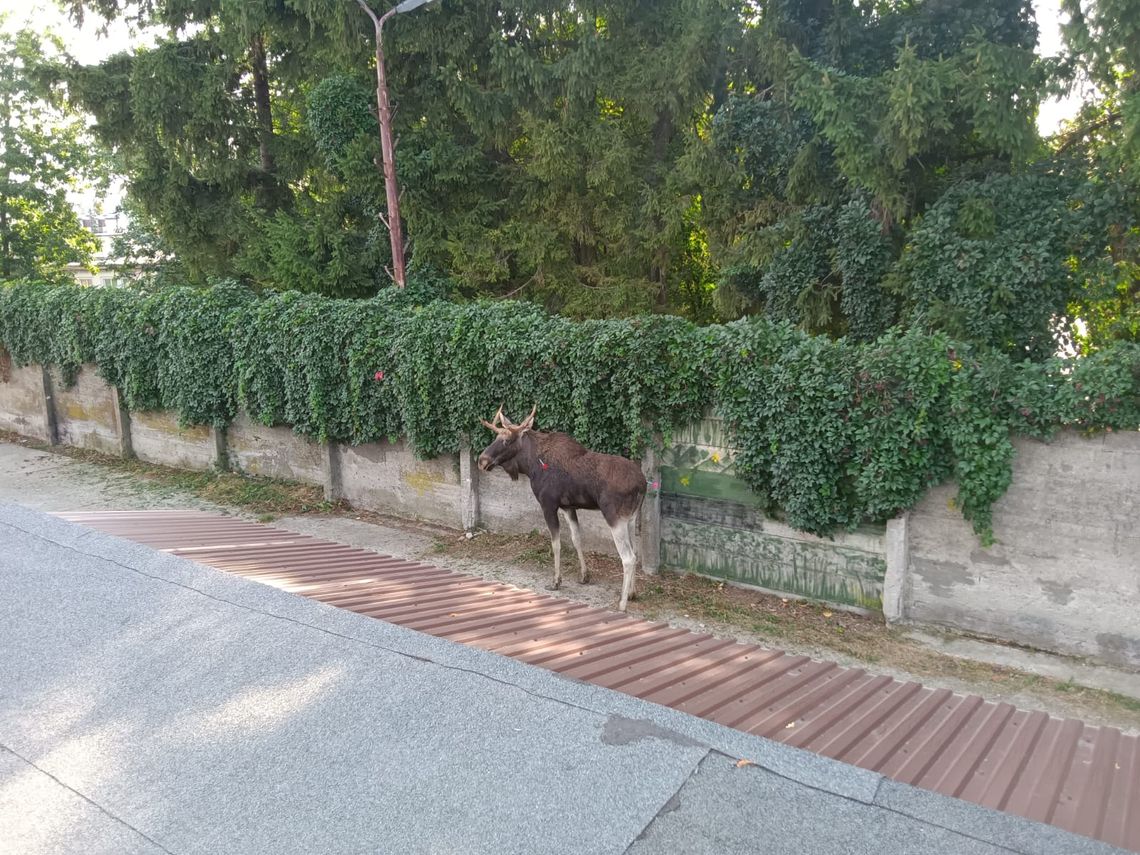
832, 433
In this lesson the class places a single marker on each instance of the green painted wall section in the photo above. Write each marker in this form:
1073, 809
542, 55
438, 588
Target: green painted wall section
821, 571
712, 523
707, 485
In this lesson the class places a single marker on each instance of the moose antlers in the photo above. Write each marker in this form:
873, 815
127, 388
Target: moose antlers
506, 426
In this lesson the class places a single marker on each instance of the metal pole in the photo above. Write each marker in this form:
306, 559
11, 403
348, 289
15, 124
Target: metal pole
388, 148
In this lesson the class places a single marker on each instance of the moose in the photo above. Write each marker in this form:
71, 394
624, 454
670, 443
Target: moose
566, 476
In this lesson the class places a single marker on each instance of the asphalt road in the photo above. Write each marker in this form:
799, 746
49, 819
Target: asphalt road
151, 705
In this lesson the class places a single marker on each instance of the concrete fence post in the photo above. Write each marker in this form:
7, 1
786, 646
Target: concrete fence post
221, 449
122, 417
334, 488
896, 581
51, 420
468, 485
650, 522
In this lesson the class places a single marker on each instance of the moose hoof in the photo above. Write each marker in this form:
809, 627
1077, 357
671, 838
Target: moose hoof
554, 586
583, 580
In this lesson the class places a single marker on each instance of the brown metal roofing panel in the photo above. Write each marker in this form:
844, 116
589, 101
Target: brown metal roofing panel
545, 651
744, 711
630, 638
689, 688
991, 782
652, 669
548, 617
1048, 783
790, 708
717, 696
542, 630
893, 736
681, 670
967, 750
602, 662
1085, 779
393, 596
851, 735
476, 617
1085, 801
1120, 825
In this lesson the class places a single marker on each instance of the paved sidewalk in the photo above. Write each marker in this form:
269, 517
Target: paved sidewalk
148, 704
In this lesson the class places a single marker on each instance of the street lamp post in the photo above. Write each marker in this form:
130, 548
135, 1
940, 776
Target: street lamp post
387, 145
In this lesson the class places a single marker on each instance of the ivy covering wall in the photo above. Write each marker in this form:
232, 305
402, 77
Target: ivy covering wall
832, 432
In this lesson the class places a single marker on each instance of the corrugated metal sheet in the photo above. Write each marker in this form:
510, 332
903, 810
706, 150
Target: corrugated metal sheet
1082, 778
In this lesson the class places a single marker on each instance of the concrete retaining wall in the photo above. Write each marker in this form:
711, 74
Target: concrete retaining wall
157, 438
274, 452
387, 477
87, 412
1064, 573
23, 408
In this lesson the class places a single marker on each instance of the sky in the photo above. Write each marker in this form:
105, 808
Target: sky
89, 45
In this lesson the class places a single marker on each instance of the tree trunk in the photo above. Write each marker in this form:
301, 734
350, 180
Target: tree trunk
5, 233
5, 241
659, 266
270, 191
388, 152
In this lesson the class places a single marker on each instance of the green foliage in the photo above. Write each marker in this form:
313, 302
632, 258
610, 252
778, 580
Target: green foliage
999, 261
861, 117
831, 433
340, 112
45, 152
1103, 40
211, 129
705, 158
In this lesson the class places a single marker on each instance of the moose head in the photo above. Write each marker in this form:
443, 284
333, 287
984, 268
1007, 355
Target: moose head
504, 451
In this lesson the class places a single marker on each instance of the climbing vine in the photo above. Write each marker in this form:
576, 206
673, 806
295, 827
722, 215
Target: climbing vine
831, 433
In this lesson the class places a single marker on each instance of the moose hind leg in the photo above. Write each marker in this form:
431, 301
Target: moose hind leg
576, 536
624, 544
551, 515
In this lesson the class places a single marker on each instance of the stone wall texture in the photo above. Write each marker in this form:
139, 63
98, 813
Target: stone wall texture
22, 407
157, 438
86, 412
274, 452
1064, 572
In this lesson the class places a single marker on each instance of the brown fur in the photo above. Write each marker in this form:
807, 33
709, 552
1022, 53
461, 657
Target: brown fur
566, 476
574, 477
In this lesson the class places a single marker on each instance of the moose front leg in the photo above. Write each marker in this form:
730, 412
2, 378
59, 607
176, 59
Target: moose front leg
576, 536
551, 514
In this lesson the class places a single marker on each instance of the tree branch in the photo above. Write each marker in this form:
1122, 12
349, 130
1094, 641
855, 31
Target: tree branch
371, 14
1077, 134
510, 294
